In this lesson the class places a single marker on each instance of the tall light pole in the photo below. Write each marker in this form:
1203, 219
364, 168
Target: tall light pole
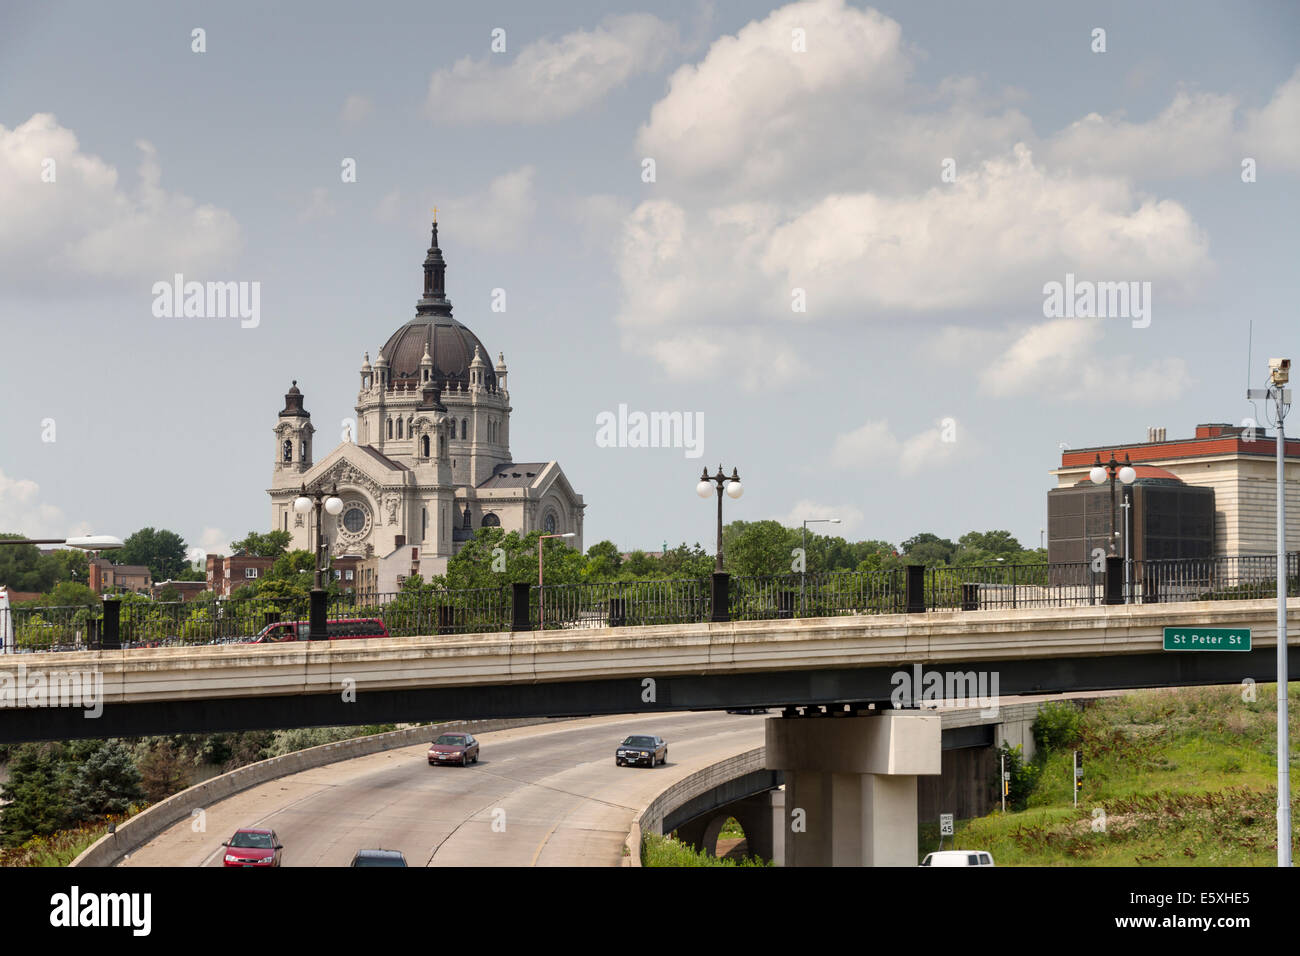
332, 503
803, 573
541, 593
1279, 375
720, 593
1127, 505
1100, 472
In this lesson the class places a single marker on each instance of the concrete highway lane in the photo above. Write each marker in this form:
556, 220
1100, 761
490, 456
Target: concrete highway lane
547, 795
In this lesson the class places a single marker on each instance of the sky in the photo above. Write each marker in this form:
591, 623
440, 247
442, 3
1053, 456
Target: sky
826, 230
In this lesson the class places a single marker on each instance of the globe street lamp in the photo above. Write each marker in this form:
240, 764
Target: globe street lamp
332, 503
803, 571
541, 594
734, 489
1100, 473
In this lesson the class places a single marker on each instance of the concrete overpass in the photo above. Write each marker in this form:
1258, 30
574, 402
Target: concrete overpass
844, 663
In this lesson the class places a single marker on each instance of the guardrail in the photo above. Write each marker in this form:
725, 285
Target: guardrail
519, 606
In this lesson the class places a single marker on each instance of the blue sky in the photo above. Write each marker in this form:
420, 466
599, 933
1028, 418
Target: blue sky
922, 389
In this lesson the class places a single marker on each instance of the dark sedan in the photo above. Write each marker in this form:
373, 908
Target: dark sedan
639, 749
454, 748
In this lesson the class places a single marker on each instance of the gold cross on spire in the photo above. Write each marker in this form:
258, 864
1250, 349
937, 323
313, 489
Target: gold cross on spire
435, 213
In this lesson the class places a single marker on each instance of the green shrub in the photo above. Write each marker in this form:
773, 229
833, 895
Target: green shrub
1057, 726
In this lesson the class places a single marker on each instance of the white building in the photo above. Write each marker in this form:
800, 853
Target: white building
431, 461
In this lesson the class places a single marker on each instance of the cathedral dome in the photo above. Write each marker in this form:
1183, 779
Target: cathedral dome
449, 344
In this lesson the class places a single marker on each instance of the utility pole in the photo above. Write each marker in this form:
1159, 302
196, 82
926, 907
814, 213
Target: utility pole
1279, 375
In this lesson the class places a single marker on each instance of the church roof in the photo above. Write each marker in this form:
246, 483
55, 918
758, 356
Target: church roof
513, 475
450, 345
382, 458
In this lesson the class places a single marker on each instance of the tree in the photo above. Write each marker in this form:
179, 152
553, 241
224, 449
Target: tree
758, 547
269, 545
70, 594
162, 772
928, 549
35, 794
603, 561
24, 568
994, 542
105, 782
162, 552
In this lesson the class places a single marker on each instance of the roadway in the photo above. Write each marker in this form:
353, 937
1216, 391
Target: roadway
565, 803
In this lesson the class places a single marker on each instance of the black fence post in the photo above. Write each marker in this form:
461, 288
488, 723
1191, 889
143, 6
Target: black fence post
445, 618
110, 633
1114, 589
721, 597
617, 612
520, 618
915, 600
970, 597
785, 603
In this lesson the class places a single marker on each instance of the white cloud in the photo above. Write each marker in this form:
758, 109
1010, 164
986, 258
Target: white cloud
211, 541
389, 208
497, 218
551, 79
355, 109
318, 206
23, 512
872, 447
850, 517
781, 171
85, 225
1061, 360
1272, 134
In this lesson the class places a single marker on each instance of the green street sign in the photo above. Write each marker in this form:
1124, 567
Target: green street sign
1207, 638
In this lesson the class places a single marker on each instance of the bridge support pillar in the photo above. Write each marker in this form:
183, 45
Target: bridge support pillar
850, 785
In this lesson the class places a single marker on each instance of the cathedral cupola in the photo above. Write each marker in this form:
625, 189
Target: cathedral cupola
366, 373
501, 370
476, 370
434, 301
293, 431
426, 367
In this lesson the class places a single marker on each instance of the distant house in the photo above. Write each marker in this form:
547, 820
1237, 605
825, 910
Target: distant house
226, 574
108, 578
188, 590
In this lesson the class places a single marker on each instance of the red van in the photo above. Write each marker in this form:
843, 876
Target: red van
285, 631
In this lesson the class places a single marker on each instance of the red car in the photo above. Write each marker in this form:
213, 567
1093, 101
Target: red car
252, 846
454, 748
285, 631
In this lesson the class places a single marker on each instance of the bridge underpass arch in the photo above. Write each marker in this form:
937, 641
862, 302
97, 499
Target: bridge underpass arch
754, 814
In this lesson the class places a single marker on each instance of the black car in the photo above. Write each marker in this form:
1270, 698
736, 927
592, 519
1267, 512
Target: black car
640, 749
379, 858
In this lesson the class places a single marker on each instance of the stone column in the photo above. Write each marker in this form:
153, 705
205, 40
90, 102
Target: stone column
850, 796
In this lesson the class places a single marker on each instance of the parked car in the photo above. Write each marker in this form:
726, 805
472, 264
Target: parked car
454, 748
284, 631
252, 846
379, 858
641, 749
958, 858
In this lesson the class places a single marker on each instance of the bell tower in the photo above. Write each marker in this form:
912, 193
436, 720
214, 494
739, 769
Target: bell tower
293, 431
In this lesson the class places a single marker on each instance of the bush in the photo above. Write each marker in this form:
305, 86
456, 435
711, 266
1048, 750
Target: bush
1057, 726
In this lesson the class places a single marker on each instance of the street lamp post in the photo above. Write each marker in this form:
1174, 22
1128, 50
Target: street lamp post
734, 489
541, 592
1127, 505
330, 502
804, 571
1099, 474
1279, 375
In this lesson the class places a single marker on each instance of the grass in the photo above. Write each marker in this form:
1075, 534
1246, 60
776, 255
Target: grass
57, 849
665, 851
1171, 778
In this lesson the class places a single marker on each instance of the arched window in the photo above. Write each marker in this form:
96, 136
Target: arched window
288, 450
548, 524
424, 445
390, 427
464, 428
302, 451
491, 521
442, 445
399, 428
410, 427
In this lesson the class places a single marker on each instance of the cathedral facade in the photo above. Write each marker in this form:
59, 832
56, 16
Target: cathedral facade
430, 462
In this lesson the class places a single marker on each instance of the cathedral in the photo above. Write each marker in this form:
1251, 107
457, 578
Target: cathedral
430, 462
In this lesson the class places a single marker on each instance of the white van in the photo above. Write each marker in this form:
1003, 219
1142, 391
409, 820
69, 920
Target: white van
958, 858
